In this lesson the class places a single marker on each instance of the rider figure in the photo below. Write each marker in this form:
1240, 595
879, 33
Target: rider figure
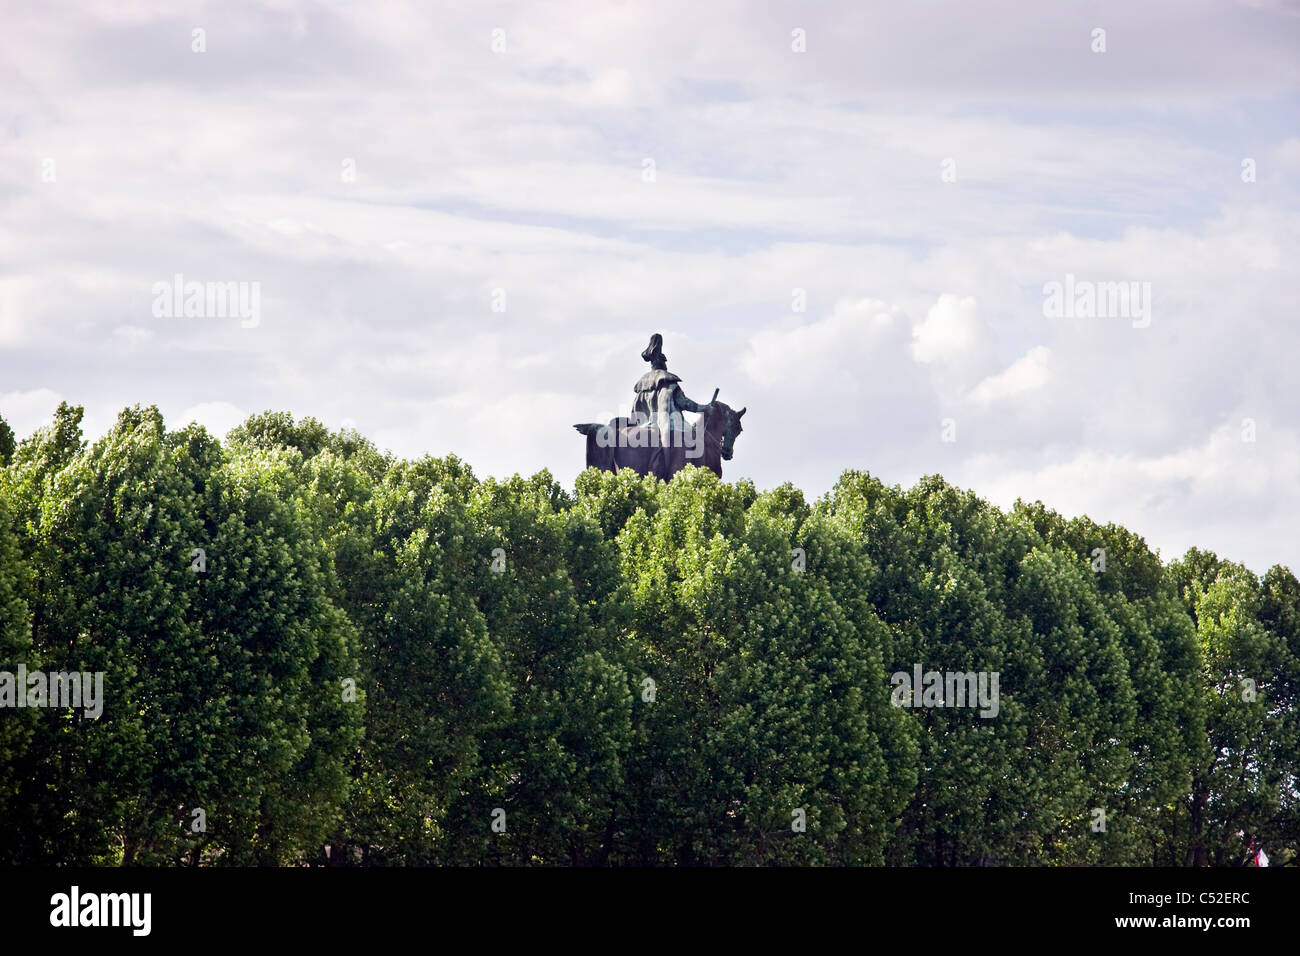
660, 400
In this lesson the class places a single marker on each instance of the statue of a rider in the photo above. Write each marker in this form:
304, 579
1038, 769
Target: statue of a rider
660, 401
657, 439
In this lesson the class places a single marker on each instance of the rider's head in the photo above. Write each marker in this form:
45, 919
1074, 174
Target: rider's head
654, 352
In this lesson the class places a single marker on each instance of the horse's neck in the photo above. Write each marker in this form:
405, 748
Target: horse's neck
713, 424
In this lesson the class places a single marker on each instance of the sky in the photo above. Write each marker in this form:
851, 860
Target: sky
460, 224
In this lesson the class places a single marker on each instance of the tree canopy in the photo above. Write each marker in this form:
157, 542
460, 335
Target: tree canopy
317, 653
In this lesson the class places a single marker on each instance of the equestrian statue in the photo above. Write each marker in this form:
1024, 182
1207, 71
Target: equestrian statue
658, 440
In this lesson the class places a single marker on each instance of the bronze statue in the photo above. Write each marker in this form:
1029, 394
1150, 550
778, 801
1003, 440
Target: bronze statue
658, 440
659, 397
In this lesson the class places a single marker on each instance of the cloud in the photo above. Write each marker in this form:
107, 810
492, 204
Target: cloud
520, 172
217, 417
954, 341
1027, 373
27, 411
1238, 490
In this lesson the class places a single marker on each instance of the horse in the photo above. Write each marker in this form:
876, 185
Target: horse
625, 444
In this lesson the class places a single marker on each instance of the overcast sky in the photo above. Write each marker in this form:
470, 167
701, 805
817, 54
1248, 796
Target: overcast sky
388, 172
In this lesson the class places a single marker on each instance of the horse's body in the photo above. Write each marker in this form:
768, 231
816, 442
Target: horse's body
624, 444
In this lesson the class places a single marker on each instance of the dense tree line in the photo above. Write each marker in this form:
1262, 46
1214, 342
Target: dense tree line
316, 653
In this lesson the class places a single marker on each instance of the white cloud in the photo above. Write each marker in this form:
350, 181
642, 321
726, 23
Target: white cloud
1030, 371
217, 417
775, 171
27, 411
1238, 491
952, 333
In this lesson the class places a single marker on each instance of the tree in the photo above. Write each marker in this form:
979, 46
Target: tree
1244, 778
764, 742
190, 583
548, 590
18, 726
6, 442
314, 652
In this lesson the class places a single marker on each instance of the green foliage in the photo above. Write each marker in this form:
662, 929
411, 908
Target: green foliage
6, 443
16, 727
220, 687
387, 662
1244, 783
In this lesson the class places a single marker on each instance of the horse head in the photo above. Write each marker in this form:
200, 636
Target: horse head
722, 424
